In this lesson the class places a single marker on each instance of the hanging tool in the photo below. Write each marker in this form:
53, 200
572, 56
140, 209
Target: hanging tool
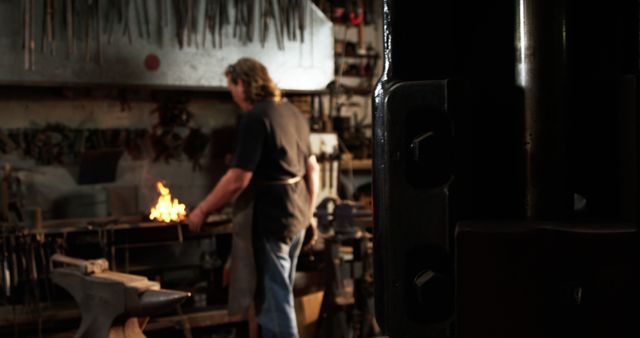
249, 19
145, 12
98, 14
293, 11
16, 271
119, 9
205, 24
43, 43
32, 38
78, 26
270, 12
107, 16
165, 18
211, 12
112, 8
51, 26
236, 20
161, 20
178, 13
195, 23
6, 273
139, 19
6, 276
29, 36
284, 9
217, 23
189, 21
263, 27
23, 255
223, 18
15, 279
275, 13
27, 33
210, 20
87, 33
32, 271
47, 26
43, 267
71, 44
54, 25
127, 22
240, 22
215, 11
49, 249
302, 19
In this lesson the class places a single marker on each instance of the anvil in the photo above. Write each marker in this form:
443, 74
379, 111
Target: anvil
104, 295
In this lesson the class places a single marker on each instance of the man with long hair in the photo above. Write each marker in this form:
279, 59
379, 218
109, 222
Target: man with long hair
274, 181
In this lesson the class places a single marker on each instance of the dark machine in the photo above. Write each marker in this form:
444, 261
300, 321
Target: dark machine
505, 169
346, 313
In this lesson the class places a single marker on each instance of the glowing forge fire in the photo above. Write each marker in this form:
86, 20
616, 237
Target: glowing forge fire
166, 209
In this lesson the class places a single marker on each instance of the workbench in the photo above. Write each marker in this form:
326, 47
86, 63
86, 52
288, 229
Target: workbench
165, 252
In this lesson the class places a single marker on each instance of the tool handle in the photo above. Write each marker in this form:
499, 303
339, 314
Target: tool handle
87, 266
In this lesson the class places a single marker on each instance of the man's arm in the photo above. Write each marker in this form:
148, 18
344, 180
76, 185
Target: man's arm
312, 178
313, 181
234, 181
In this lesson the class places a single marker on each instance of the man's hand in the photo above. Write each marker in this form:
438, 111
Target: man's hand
310, 236
195, 219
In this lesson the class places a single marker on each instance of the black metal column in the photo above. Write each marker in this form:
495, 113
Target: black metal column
412, 136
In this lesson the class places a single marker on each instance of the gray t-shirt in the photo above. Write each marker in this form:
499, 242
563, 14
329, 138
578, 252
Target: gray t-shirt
273, 143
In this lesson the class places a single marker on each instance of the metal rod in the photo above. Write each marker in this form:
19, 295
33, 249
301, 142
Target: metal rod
540, 41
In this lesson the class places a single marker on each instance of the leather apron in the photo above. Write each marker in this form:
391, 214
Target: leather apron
242, 270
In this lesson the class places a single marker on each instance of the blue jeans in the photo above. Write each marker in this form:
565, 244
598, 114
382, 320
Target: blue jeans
276, 262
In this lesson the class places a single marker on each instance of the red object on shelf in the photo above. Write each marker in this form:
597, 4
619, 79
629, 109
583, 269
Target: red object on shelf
152, 62
356, 18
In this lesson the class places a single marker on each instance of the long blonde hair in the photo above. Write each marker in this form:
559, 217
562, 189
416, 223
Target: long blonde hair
258, 85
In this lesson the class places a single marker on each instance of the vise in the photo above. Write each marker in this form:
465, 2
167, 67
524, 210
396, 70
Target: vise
342, 217
105, 296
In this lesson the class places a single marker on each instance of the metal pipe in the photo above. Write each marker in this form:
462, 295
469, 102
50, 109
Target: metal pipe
541, 74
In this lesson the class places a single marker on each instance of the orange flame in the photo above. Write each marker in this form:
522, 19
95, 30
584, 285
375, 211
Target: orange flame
166, 209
